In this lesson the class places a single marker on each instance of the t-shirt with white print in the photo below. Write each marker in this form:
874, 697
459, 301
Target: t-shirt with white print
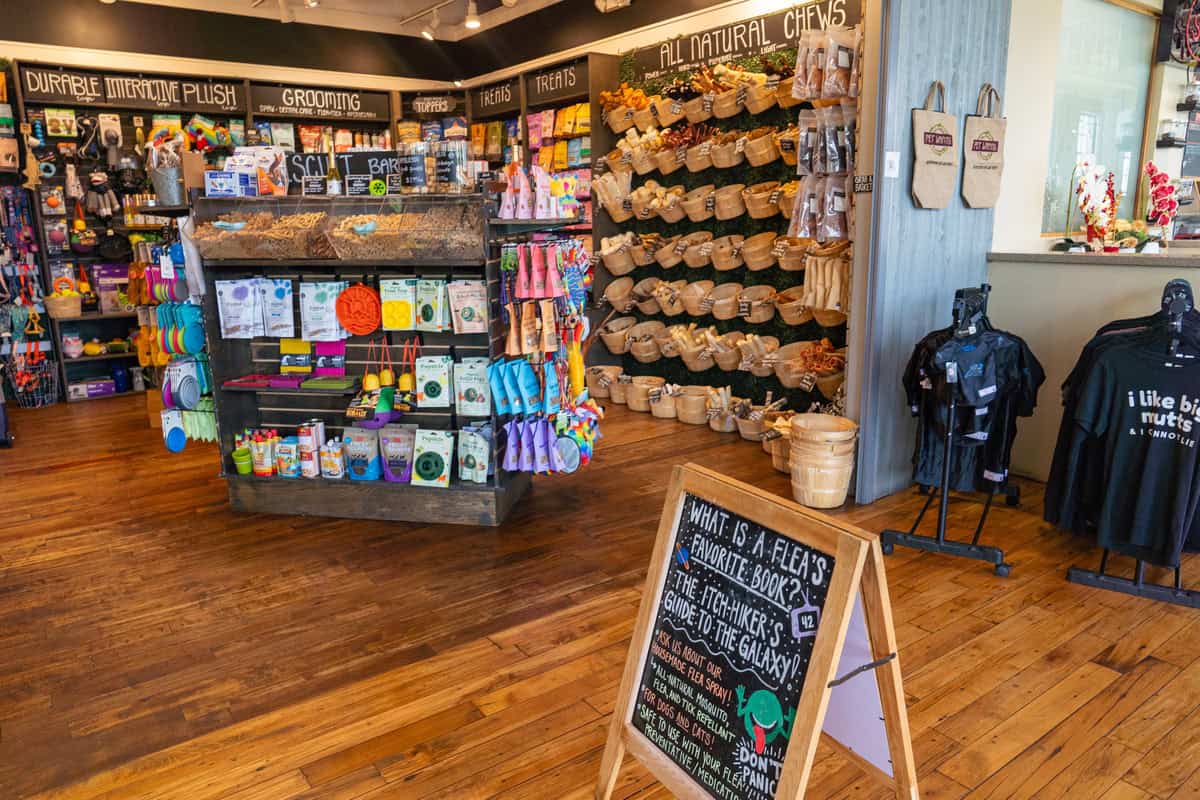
1146, 408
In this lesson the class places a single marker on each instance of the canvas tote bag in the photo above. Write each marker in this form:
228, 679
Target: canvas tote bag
983, 150
936, 167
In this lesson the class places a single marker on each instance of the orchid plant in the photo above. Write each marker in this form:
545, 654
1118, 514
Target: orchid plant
1096, 196
1164, 205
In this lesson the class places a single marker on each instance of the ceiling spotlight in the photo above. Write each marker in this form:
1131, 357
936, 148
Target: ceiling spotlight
108, 2
430, 30
472, 20
458, 84
509, 3
311, 3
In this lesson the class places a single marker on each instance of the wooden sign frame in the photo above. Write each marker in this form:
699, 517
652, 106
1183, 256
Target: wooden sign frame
857, 575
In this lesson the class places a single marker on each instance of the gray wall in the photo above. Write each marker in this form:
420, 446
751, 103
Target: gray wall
920, 257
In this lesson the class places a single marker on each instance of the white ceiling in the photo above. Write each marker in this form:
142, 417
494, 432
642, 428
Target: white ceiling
380, 16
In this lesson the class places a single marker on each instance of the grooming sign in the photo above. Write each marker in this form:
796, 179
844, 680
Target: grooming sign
753, 37
315, 102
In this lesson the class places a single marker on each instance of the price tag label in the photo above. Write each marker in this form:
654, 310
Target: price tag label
741, 95
707, 103
654, 111
625, 379
743, 308
780, 248
706, 149
395, 183
787, 144
627, 157
741, 145
166, 267
706, 304
710, 202
772, 82
627, 204
706, 249
628, 114
676, 107
680, 155
864, 184
313, 185
680, 247
358, 185
771, 435
775, 195
808, 382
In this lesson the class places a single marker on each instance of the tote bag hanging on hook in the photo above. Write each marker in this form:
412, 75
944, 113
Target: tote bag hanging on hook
936, 167
983, 150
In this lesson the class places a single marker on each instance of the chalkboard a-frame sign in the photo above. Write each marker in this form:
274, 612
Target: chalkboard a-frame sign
762, 626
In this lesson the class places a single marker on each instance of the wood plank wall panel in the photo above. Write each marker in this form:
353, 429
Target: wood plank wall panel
920, 257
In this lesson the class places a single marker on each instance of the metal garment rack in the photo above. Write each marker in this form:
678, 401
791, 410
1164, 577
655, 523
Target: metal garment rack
1178, 301
964, 299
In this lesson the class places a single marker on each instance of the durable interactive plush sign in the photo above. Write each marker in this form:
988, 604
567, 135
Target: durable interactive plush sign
752, 610
131, 90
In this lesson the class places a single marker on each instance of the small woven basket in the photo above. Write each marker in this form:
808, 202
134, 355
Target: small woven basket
727, 253
694, 295
725, 300
729, 202
638, 398
691, 405
699, 249
615, 335
760, 97
757, 251
757, 304
762, 199
699, 204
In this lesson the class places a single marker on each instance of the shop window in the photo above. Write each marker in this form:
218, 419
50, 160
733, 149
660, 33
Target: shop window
1099, 100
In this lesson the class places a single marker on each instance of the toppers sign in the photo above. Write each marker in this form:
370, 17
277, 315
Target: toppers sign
755, 37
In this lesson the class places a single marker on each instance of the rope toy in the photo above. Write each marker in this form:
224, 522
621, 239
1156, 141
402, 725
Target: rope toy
359, 310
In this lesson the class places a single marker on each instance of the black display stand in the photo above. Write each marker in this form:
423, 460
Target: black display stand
963, 300
1178, 301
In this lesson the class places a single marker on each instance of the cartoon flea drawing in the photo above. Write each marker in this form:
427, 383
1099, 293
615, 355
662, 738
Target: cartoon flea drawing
764, 718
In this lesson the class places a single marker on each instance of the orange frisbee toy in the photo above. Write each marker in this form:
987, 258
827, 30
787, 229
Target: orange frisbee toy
359, 309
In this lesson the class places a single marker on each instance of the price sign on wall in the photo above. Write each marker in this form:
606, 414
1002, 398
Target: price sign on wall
752, 610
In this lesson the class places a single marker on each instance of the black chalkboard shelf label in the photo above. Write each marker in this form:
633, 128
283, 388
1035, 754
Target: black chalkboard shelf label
358, 185
762, 626
314, 185
395, 183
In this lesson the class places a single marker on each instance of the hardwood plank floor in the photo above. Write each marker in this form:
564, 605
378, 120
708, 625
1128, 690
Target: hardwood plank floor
153, 644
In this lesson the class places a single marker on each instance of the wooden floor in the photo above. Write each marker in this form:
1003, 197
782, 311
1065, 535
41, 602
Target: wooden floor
155, 645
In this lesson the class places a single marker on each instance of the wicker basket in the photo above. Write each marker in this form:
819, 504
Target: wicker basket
787, 364
700, 361
725, 300
729, 202
781, 452
644, 296
760, 97
728, 360
791, 307
827, 318
615, 335
699, 249
618, 391
668, 254
724, 422
643, 161
619, 214
788, 143
673, 211
699, 157
768, 345
667, 160
641, 256
762, 199
638, 397
619, 263
670, 297
829, 384
63, 307
642, 206
641, 341
757, 251
662, 406
824, 428
700, 203
599, 379
762, 151
694, 296
619, 294
792, 253
726, 104
787, 198
691, 405
753, 429
726, 156
668, 111
620, 119
758, 303
727, 253
697, 110
667, 345
784, 94
619, 160
643, 118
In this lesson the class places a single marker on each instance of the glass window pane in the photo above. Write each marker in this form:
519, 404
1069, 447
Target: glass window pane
1099, 102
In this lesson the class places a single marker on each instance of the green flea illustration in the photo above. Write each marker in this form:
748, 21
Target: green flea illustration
764, 718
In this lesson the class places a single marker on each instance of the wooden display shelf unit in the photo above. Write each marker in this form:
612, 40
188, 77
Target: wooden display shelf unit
284, 409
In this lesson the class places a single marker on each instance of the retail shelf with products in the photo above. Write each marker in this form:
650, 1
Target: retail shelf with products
102, 357
286, 409
105, 396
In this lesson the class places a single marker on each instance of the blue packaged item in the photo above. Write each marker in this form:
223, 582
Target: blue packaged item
431, 131
361, 448
287, 457
512, 386
500, 397
531, 390
552, 404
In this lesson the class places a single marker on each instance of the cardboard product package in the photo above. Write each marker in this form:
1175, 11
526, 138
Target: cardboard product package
433, 456
935, 169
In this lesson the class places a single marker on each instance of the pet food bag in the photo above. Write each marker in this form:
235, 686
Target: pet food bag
275, 300
238, 308
396, 444
318, 311
474, 453
468, 306
471, 390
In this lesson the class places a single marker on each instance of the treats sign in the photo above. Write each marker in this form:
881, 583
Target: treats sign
560, 83
755, 37
497, 99
753, 607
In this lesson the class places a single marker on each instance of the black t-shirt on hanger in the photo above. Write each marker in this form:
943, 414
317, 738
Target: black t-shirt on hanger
1146, 407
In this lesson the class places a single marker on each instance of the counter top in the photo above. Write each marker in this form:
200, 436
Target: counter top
1172, 259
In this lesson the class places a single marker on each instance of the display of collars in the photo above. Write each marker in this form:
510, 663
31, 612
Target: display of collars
32, 374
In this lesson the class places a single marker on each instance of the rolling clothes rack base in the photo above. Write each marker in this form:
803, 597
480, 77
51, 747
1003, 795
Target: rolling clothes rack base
1178, 300
939, 543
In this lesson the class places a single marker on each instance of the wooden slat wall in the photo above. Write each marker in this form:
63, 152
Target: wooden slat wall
920, 257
